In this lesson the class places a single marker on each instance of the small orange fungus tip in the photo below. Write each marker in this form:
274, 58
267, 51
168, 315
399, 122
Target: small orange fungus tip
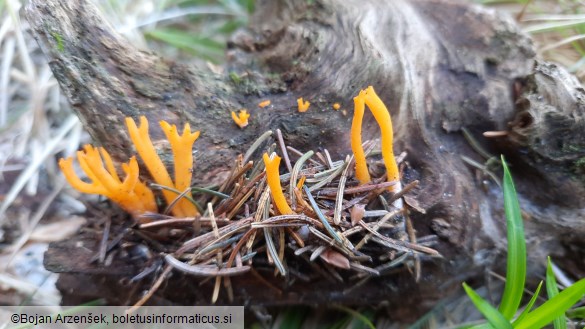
130, 194
303, 105
336, 106
301, 182
361, 168
241, 119
273, 179
263, 104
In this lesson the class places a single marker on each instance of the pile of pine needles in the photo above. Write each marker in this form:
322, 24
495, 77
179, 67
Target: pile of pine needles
341, 231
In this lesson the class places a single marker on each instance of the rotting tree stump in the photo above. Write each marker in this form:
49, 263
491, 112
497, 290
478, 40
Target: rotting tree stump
441, 67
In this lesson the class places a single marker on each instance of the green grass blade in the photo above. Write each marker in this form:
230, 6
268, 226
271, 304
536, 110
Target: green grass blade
494, 317
204, 47
528, 307
552, 290
294, 317
516, 262
554, 307
363, 318
576, 313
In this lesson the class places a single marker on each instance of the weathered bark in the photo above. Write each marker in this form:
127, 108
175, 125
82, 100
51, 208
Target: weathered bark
440, 66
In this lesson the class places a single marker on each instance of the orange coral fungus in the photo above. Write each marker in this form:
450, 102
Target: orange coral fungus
181, 145
265, 103
241, 119
273, 179
131, 194
336, 106
361, 168
303, 105
382, 116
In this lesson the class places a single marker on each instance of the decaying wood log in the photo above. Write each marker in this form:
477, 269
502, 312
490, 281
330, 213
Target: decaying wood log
441, 67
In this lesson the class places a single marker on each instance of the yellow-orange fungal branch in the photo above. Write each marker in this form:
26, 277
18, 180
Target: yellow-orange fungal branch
303, 105
361, 167
336, 106
129, 194
241, 119
273, 179
263, 104
382, 116
182, 148
147, 152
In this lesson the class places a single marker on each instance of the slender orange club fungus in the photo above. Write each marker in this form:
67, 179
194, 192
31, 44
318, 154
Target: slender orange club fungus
382, 116
303, 105
241, 119
265, 103
336, 106
273, 179
182, 146
156, 168
131, 194
361, 168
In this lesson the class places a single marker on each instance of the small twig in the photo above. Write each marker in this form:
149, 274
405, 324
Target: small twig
299, 153
283, 149
301, 250
112, 244
204, 238
297, 219
317, 252
183, 221
209, 191
237, 196
104, 241
357, 285
294, 176
340, 192
238, 246
321, 216
219, 253
393, 243
261, 213
393, 263
384, 219
220, 244
362, 268
357, 189
481, 167
180, 195
151, 291
296, 237
403, 191
492, 134
238, 206
412, 238
256, 144
328, 157
475, 144
265, 282
205, 270
323, 160
272, 250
